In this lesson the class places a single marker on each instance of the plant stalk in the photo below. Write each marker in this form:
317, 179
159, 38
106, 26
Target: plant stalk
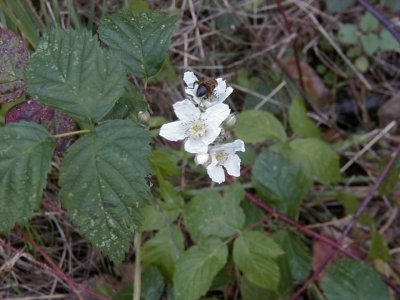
137, 278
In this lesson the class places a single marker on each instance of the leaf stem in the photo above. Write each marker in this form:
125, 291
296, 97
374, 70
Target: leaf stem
61, 135
137, 276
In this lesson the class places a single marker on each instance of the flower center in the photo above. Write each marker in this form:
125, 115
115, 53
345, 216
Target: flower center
221, 157
197, 129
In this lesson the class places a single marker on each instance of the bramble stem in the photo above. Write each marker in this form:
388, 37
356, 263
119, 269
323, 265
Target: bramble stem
330, 255
137, 276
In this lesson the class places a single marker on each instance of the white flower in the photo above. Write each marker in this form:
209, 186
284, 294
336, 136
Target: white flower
198, 128
220, 93
223, 156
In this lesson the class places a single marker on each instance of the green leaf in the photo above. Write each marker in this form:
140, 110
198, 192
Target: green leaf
351, 204
152, 286
162, 163
129, 105
354, 52
13, 57
296, 253
256, 126
71, 72
103, 184
378, 248
299, 121
254, 254
250, 291
26, 150
141, 41
348, 34
317, 159
362, 63
335, 6
353, 279
370, 43
156, 218
163, 250
281, 181
196, 269
369, 23
209, 214
387, 41
173, 200
391, 180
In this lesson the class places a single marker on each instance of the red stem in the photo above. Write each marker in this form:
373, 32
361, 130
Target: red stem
350, 225
261, 204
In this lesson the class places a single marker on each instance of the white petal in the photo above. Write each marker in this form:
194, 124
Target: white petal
216, 114
201, 158
211, 134
216, 173
195, 146
174, 131
221, 93
189, 78
232, 165
237, 145
186, 110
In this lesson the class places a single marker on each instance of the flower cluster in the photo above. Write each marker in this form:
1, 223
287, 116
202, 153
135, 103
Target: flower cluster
200, 125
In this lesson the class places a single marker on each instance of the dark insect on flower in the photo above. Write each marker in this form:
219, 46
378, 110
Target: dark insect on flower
206, 87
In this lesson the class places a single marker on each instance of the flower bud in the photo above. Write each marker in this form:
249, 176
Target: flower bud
202, 158
144, 117
230, 121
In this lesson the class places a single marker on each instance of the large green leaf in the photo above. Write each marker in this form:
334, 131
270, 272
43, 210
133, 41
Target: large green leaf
71, 72
317, 159
163, 250
255, 254
141, 41
209, 214
26, 150
13, 57
353, 279
196, 269
299, 121
256, 126
295, 253
281, 182
103, 184
250, 291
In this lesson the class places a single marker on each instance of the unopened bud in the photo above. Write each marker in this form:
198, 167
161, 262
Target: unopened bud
202, 158
144, 117
230, 121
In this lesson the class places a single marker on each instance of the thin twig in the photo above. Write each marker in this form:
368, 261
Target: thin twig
269, 97
55, 272
368, 146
